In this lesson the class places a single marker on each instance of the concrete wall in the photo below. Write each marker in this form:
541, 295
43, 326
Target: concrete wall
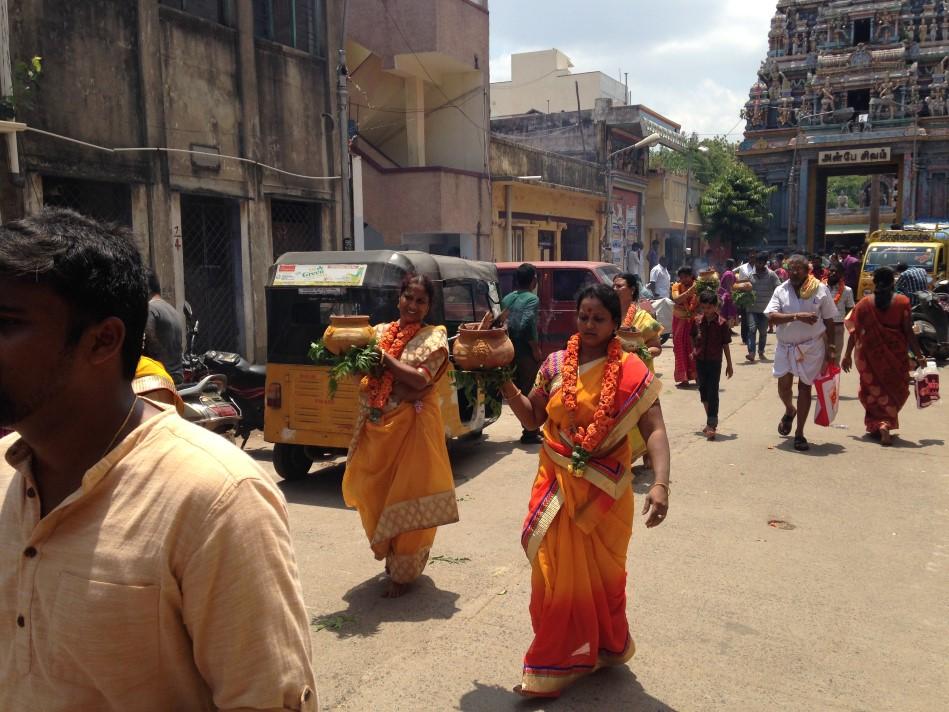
131, 73
541, 81
509, 158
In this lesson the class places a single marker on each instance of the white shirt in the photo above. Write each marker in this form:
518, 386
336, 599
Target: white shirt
663, 281
785, 301
845, 304
745, 271
634, 261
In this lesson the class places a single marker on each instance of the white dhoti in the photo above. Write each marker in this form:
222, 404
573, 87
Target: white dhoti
804, 360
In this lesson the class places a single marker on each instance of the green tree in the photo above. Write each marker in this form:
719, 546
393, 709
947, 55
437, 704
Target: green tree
735, 207
719, 156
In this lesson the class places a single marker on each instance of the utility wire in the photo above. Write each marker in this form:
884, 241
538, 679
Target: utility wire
162, 149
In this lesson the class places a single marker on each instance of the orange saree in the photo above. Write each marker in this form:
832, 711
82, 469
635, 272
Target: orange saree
882, 360
398, 475
577, 532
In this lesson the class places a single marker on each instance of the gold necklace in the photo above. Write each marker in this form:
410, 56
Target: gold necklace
121, 428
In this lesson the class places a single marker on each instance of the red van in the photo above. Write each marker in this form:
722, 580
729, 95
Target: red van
558, 284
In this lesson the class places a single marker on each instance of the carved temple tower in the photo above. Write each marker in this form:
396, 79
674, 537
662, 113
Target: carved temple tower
851, 87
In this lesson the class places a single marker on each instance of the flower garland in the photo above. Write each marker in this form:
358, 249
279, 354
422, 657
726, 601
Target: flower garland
380, 387
587, 439
630, 316
840, 292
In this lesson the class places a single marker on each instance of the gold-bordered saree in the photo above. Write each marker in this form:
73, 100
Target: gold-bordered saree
398, 474
577, 531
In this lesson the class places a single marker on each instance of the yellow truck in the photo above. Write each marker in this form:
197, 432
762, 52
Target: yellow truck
928, 249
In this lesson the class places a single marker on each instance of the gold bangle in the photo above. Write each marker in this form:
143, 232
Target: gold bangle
660, 484
513, 395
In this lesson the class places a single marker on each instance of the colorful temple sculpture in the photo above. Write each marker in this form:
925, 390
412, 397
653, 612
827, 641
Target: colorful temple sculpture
851, 87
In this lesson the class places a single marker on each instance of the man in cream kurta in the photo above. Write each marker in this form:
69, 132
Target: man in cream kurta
145, 563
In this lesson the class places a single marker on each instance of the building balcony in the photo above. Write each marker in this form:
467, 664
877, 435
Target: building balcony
423, 39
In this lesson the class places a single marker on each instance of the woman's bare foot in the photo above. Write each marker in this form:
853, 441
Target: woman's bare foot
519, 690
395, 590
886, 439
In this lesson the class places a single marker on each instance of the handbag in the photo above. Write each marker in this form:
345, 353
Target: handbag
926, 381
827, 386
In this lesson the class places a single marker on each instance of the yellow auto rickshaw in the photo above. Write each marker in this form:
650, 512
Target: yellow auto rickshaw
301, 418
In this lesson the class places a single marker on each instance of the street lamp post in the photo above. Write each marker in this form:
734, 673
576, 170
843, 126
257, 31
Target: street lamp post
650, 140
688, 189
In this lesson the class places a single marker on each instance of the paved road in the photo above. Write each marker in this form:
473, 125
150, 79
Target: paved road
844, 610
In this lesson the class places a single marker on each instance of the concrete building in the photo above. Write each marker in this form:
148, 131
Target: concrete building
665, 208
203, 83
545, 206
851, 88
601, 136
542, 81
419, 120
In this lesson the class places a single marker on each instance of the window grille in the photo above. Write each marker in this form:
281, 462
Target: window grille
295, 226
294, 23
108, 202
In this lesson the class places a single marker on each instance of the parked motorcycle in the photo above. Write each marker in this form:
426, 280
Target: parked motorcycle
246, 383
204, 393
931, 321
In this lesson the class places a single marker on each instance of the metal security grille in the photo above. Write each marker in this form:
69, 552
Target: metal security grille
295, 227
295, 23
211, 251
108, 202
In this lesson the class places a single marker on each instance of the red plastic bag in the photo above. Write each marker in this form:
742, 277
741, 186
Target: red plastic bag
827, 386
927, 385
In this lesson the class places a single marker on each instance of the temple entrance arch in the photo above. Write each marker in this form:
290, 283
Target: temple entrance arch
877, 207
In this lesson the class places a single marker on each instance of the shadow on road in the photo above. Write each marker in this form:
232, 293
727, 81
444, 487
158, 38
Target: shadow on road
366, 609
719, 437
323, 487
899, 442
468, 457
817, 449
609, 689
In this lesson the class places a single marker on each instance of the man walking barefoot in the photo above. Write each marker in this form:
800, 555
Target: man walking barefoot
803, 311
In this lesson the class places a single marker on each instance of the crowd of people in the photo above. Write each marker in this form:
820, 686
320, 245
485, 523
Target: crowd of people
128, 534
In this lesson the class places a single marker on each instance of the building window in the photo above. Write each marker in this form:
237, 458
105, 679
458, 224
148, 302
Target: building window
545, 244
517, 245
294, 23
108, 202
213, 10
295, 226
861, 31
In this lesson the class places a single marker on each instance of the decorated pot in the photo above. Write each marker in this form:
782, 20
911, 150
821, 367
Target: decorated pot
345, 332
707, 279
630, 338
479, 349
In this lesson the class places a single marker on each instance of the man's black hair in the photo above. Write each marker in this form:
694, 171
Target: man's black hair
707, 296
154, 286
525, 275
94, 267
900, 268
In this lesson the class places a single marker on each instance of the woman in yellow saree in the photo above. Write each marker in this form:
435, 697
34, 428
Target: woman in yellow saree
627, 289
580, 518
397, 474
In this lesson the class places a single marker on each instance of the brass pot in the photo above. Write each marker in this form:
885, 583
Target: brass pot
345, 332
478, 349
630, 338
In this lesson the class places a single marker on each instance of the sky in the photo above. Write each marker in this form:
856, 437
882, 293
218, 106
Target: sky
692, 61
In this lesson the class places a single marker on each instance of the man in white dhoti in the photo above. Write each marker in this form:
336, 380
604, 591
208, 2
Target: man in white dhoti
802, 310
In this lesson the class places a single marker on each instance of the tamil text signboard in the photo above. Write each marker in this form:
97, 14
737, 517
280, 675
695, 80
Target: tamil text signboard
854, 156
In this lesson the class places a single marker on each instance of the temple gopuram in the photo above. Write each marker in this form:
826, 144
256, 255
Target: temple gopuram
851, 88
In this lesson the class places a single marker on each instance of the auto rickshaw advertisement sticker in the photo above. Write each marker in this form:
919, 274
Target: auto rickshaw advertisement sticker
320, 275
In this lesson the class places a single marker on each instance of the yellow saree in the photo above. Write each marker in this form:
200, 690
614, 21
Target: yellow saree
577, 532
398, 475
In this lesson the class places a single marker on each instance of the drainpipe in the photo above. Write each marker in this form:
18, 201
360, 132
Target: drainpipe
342, 129
508, 219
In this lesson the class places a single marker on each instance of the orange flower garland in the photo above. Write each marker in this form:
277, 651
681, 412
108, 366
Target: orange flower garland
393, 343
630, 316
587, 439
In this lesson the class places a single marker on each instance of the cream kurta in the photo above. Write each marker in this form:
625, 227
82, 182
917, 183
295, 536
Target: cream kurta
166, 582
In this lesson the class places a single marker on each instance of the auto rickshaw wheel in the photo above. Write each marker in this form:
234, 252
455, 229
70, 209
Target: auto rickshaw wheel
291, 461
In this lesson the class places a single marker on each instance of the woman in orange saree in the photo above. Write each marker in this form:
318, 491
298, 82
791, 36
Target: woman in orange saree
580, 517
881, 329
397, 473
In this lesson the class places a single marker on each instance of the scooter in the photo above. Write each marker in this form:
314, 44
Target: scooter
931, 321
205, 394
246, 383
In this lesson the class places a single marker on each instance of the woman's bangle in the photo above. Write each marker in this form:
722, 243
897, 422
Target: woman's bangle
660, 484
509, 395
